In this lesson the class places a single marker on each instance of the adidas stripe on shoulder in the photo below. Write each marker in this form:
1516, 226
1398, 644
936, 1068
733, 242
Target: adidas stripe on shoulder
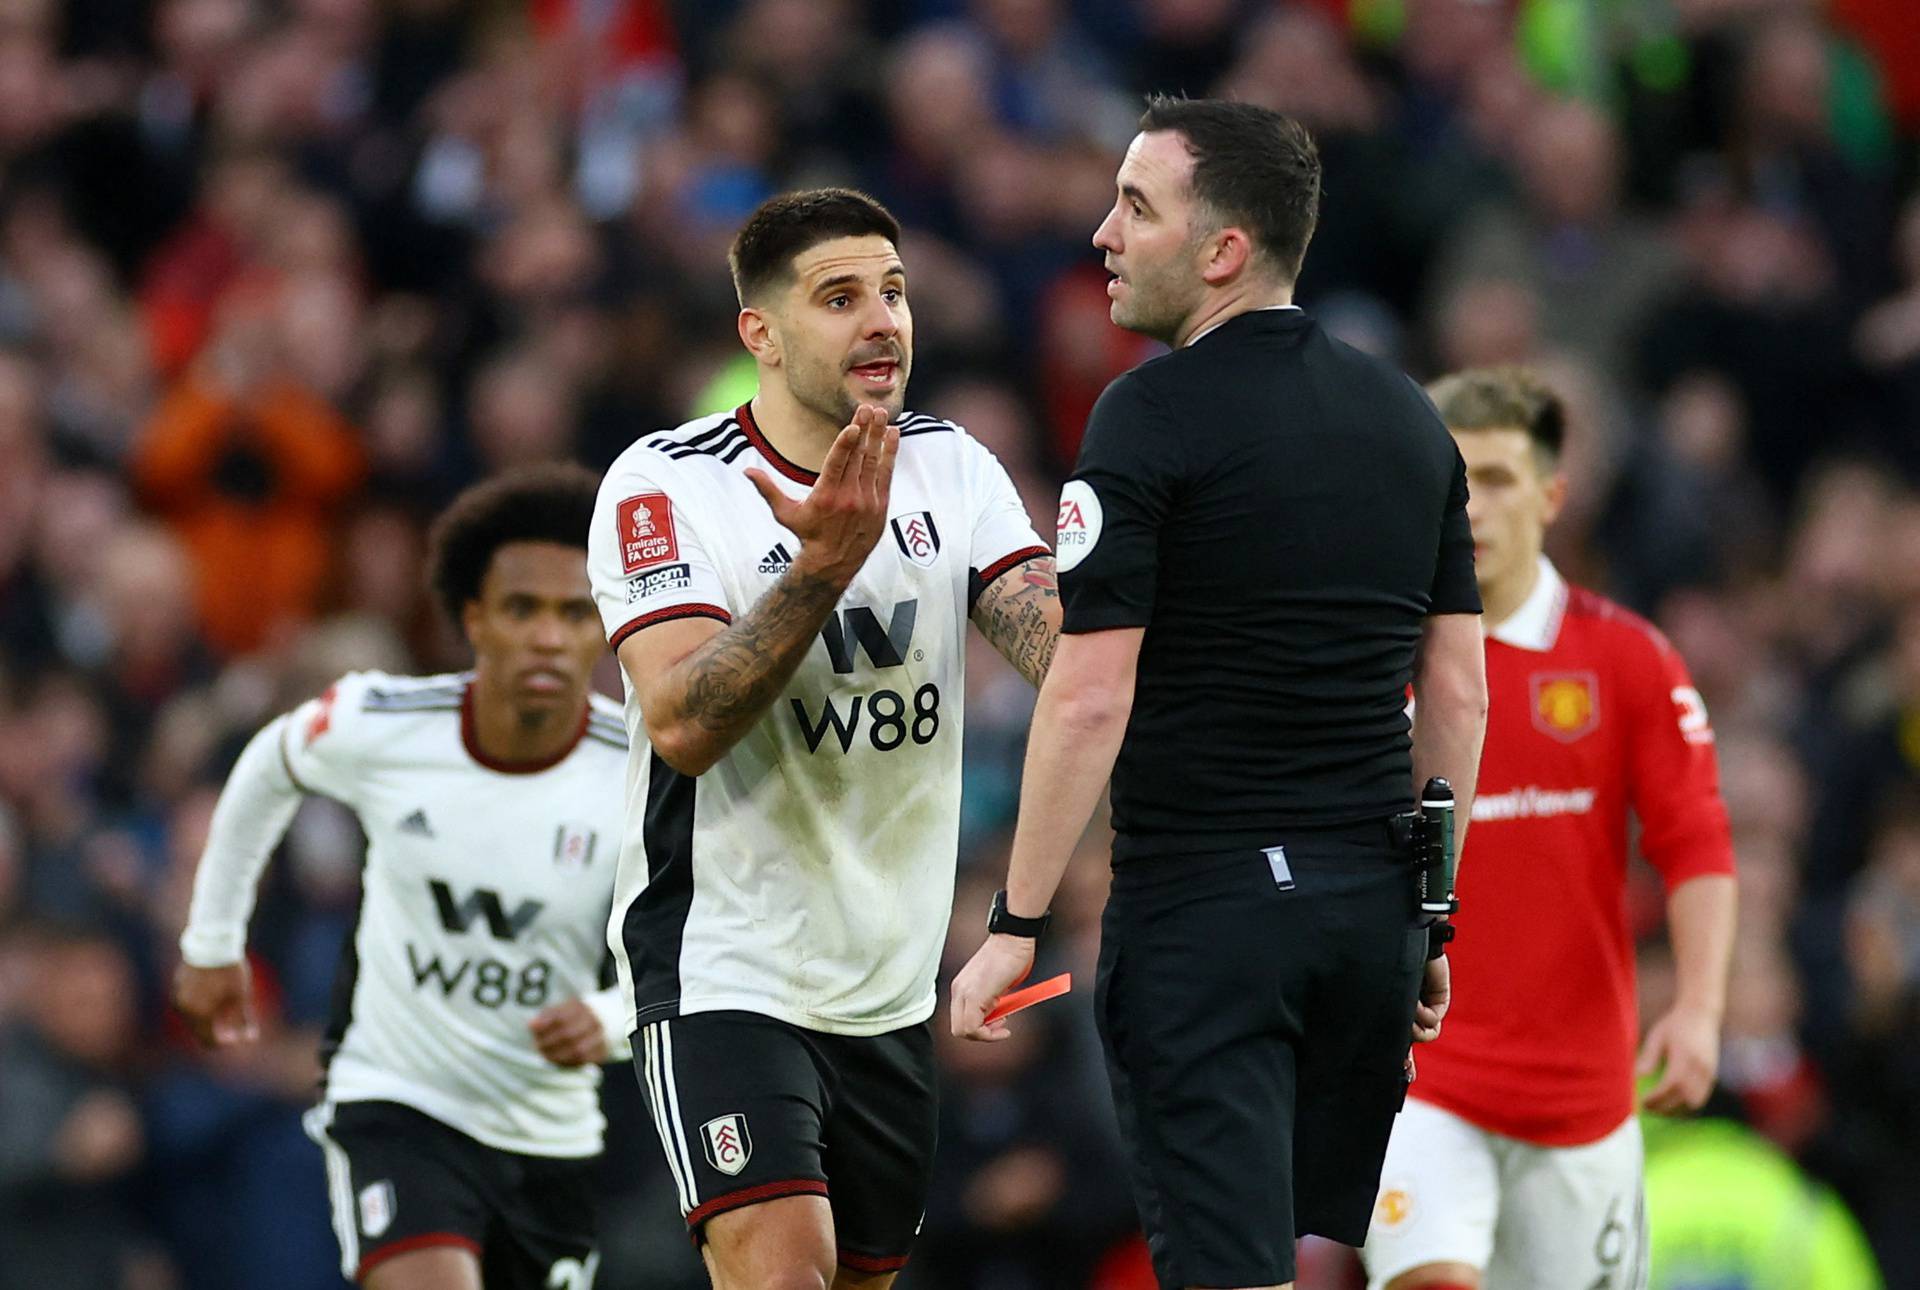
724, 440
913, 423
415, 693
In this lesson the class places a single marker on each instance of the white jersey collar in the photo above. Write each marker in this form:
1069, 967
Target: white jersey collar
1536, 624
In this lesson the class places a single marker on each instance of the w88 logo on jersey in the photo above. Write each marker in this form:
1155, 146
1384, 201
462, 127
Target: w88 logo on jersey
886, 718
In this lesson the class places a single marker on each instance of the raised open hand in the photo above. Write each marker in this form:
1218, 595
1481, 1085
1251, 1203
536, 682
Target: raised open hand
841, 518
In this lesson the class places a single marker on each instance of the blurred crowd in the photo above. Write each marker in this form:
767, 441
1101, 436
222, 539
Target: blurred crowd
278, 277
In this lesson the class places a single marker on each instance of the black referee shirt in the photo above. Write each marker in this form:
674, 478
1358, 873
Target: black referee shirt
1280, 512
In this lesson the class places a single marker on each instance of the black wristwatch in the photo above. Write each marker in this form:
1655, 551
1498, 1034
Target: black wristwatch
1001, 923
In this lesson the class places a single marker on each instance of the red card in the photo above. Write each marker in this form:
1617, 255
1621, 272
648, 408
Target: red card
1018, 1000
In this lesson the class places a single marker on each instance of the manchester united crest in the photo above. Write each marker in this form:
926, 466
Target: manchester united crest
1394, 1207
1566, 705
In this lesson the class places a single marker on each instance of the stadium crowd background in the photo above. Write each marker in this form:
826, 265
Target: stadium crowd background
277, 279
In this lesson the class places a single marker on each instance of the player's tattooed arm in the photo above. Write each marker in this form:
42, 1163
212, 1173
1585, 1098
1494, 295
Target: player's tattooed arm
1019, 614
735, 676
701, 688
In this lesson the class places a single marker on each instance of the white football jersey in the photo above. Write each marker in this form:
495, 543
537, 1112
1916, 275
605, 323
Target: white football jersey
484, 899
807, 876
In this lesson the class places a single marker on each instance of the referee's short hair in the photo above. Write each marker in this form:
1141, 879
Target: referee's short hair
782, 227
1504, 398
1253, 168
547, 503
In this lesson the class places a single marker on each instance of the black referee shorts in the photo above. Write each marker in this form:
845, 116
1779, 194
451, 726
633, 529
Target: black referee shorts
1256, 1034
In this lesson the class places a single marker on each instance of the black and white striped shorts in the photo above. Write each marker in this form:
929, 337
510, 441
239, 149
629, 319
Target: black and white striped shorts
750, 1109
400, 1180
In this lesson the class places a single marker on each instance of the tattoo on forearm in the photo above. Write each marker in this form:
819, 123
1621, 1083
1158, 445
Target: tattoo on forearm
1020, 616
737, 674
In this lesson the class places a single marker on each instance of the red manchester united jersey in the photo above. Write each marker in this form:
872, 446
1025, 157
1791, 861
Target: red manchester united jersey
1592, 718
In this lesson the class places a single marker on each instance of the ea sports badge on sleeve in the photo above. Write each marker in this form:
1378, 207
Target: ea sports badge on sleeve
1079, 526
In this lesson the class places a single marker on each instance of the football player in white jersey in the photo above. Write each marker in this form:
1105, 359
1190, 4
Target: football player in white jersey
461, 1120
788, 586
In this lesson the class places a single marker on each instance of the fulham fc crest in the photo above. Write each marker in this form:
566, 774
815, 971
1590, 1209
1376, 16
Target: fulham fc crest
574, 845
729, 1145
919, 540
376, 1209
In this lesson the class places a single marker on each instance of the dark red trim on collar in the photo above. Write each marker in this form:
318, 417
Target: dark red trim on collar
470, 739
799, 474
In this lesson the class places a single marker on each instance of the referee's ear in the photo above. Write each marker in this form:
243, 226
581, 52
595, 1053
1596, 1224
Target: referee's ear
1232, 256
757, 334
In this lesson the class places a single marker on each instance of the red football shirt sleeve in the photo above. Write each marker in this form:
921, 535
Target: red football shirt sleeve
1673, 775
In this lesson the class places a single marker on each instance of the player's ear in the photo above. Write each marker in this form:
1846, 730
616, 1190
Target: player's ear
470, 619
1556, 493
757, 333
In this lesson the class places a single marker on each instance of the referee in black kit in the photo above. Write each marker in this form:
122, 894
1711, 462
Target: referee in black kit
1264, 541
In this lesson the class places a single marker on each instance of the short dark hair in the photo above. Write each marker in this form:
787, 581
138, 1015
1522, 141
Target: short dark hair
1504, 398
782, 227
546, 503
1252, 167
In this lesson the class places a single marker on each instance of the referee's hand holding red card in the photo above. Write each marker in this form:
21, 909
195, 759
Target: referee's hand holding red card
1000, 963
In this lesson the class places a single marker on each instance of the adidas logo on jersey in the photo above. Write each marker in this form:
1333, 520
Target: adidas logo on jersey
417, 824
776, 560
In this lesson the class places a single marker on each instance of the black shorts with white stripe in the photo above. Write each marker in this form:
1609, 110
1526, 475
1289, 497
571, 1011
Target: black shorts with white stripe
400, 1180
750, 1109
